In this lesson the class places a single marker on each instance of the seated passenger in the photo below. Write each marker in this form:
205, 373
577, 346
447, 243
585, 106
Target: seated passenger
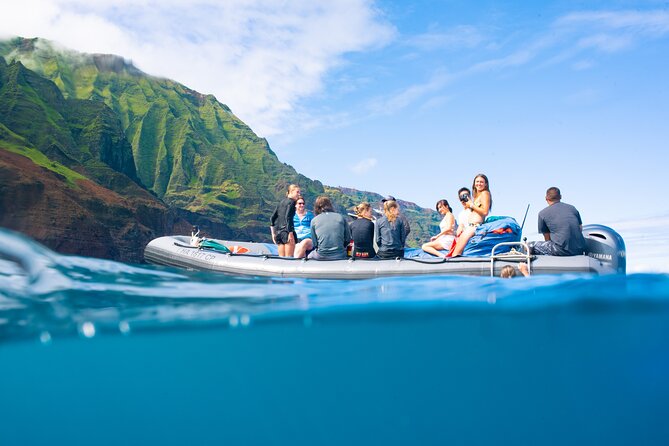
479, 207
404, 218
302, 222
391, 232
444, 239
329, 232
362, 232
561, 225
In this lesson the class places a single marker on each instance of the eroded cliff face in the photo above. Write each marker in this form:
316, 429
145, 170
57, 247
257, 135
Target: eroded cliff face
95, 128
67, 175
84, 218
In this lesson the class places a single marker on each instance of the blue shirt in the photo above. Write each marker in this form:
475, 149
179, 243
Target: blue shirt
303, 226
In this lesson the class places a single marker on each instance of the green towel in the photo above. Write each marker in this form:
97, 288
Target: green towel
211, 244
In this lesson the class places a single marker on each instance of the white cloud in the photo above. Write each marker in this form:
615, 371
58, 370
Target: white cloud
364, 166
407, 96
260, 57
612, 31
582, 65
651, 23
456, 38
569, 37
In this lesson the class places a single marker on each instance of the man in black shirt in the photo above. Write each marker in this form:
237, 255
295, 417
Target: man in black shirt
282, 224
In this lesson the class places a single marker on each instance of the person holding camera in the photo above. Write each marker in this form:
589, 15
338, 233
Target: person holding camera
478, 206
463, 217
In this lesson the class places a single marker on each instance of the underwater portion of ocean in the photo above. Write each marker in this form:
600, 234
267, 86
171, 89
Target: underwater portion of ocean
94, 352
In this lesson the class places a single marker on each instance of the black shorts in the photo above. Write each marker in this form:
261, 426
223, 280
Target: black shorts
282, 237
390, 254
364, 255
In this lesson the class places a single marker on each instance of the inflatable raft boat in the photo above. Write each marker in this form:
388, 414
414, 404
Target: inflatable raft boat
605, 255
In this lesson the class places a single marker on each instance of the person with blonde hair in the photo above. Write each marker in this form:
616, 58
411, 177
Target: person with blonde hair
443, 240
282, 225
362, 232
329, 232
509, 272
391, 232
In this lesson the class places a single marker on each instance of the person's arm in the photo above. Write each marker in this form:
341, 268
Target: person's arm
543, 229
524, 270
314, 235
272, 222
347, 234
405, 220
290, 215
484, 199
404, 232
449, 229
461, 227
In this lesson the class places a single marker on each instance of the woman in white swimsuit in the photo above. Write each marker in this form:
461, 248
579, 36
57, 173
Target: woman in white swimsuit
444, 239
480, 206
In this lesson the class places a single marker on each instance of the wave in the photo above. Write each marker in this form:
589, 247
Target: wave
42, 292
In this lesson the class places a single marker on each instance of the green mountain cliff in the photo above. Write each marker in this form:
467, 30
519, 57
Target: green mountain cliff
188, 149
67, 175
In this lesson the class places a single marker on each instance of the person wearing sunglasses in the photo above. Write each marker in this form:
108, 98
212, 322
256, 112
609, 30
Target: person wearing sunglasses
302, 223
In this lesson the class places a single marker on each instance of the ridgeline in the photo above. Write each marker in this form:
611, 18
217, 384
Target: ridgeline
97, 158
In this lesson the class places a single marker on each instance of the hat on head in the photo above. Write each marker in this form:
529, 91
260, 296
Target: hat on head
388, 198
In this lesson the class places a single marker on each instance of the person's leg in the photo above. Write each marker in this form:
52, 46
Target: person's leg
547, 248
461, 241
433, 248
385, 255
303, 247
290, 246
282, 249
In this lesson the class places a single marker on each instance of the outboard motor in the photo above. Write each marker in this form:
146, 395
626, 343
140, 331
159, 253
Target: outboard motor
606, 245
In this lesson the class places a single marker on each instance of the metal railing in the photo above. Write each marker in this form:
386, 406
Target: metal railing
506, 256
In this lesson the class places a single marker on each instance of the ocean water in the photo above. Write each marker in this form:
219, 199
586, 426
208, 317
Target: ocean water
94, 352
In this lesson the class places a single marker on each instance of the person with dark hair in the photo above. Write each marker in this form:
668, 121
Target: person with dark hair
362, 232
561, 225
302, 223
392, 232
463, 217
479, 206
329, 232
444, 239
281, 222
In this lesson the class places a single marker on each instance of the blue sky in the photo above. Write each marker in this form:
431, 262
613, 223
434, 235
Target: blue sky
414, 98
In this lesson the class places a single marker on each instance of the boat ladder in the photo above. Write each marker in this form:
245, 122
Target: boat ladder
510, 256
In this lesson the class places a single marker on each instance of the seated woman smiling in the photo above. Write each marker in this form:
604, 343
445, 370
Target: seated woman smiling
444, 239
479, 205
